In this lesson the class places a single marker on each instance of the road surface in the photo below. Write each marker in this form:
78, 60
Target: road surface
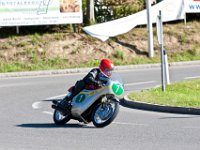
26, 117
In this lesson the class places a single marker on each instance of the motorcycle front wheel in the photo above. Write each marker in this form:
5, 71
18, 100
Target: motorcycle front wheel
105, 113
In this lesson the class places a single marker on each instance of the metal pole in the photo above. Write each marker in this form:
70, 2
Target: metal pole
162, 53
185, 19
17, 29
149, 29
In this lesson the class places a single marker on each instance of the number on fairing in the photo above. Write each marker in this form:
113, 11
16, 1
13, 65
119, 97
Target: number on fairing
117, 89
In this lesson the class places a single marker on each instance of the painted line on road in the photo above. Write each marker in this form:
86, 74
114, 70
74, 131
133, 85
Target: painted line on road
130, 124
36, 105
139, 83
48, 113
118, 123
195, 77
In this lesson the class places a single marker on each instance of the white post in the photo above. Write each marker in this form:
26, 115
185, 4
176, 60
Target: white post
166, 68
149, 29
185, 15
185, 19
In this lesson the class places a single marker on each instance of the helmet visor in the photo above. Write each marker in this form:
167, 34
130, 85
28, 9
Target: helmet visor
108, 72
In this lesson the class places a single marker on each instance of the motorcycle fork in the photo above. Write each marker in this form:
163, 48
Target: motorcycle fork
104, 101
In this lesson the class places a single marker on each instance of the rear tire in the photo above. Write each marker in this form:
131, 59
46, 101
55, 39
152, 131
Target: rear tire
59, 118
103, 114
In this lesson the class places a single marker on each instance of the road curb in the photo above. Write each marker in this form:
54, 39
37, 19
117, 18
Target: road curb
43, 73
160, 108
83, 70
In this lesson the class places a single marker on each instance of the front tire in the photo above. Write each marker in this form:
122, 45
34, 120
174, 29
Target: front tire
105, 113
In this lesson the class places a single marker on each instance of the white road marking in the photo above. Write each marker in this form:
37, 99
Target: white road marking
118, 123
195, 77
130, 124
139, 83
36, 105
48, 113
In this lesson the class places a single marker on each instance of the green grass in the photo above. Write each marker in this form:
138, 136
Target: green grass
33, 49
184, 94
41, 62
35, 64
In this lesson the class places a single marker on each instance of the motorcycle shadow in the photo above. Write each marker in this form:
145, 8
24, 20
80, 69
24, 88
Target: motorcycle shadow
51, 125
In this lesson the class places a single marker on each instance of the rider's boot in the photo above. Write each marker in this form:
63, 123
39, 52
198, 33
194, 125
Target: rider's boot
67, 101
55, 102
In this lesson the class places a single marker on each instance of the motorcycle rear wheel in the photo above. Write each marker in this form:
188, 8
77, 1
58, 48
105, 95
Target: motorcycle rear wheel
59, 118
105, 113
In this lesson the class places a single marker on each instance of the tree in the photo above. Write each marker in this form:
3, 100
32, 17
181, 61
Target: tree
90, 11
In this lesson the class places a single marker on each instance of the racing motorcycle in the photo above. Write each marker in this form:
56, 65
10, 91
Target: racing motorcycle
99, 106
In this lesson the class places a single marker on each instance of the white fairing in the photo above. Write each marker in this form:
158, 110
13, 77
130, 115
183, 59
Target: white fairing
86, 98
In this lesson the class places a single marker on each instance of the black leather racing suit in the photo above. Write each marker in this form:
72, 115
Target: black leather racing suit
92, 78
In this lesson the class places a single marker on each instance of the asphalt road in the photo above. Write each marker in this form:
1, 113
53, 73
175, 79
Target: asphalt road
26, 117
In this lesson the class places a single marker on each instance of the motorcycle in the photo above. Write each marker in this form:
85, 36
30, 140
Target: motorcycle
99, 106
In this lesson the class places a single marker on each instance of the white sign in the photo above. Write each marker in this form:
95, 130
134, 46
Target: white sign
40, 12
192, 6
171, 10
158, 27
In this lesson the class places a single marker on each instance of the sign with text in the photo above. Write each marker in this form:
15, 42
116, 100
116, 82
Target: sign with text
40, 12
192, 6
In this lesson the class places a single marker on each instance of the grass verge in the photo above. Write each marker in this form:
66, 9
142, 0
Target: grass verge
183, 94
55, 47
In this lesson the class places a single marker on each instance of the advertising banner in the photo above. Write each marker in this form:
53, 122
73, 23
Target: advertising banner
40, 12
171, 10
192, 6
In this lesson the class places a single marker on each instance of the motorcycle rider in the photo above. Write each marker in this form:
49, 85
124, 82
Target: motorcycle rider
95, 78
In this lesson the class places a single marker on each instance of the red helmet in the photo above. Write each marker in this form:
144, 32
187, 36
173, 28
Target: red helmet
106, 66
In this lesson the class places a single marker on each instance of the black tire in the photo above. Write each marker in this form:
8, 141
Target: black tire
110, 118
59, 118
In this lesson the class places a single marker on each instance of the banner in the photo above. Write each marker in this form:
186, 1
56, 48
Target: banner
192, 6
40, 12
171, 10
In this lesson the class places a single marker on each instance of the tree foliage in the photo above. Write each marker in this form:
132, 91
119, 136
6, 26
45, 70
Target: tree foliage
106, 10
